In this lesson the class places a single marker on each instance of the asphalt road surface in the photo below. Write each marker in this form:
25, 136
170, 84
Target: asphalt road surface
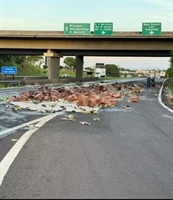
9, 118
128, 154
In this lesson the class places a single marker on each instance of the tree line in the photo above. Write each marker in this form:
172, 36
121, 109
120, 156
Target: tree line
25, 64
111, 69
169, 71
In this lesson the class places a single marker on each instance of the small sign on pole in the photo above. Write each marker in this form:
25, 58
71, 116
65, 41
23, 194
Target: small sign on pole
9, 70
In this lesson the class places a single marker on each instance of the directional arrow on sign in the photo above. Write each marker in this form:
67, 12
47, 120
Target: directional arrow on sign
151, 32
66, 28
103, 32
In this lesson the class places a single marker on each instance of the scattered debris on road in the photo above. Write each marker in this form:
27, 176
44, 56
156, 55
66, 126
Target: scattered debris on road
83, 99
85, 123
14, 140
69, 117
96, 119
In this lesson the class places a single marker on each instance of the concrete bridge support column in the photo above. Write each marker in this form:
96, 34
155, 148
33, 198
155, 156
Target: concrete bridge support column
53, 64
79, 68
53, 67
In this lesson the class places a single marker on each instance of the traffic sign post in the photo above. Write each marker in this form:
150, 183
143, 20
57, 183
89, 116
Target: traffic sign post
105, 28
151, 28
9, 70
76, 29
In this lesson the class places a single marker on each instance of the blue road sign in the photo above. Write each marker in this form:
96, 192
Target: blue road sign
9, 70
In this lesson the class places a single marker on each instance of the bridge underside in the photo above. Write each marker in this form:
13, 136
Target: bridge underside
119, 53
55, 45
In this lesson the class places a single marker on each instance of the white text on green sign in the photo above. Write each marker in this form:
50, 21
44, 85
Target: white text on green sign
76, 29
105, 28
152, 28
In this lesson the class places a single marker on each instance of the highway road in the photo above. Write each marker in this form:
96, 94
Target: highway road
9, 119
128, 154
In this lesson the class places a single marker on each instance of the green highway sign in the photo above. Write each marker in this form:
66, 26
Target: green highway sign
151, 28
76, 29
103, 28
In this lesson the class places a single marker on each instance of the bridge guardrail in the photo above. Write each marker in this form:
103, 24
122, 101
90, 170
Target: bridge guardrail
13, 82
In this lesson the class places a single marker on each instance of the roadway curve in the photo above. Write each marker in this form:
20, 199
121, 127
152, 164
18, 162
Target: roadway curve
128, 154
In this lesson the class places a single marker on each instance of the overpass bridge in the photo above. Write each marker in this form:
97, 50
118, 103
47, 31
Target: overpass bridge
54, 44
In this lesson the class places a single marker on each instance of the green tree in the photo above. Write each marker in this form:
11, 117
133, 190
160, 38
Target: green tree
18, 59
33, 59
171, 58
11, 60
112, 70
169, 71
70, 61
89, 69
6, 60
24, 67
45, 66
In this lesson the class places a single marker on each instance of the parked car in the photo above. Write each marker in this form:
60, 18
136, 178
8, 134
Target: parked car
65, 75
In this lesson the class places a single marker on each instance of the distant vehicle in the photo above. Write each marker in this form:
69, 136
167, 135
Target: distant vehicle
100, 72
65, 75
162, 74
129, 76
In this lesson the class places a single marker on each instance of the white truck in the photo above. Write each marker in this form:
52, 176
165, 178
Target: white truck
162, 74
100, 72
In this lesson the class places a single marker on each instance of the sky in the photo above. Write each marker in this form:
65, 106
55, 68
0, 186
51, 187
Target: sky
126, 15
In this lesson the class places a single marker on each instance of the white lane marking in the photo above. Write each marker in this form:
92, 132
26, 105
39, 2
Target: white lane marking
160, 99
7, 131
149, 99
167, 116
11, 155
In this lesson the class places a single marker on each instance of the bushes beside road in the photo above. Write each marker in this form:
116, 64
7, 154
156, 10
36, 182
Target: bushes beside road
24, 66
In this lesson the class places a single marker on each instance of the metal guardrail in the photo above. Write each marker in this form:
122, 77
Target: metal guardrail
13, 82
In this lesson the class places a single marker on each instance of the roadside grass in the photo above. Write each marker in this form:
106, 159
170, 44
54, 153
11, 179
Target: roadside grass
115, 78
171, 85
71, 73
4, 85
